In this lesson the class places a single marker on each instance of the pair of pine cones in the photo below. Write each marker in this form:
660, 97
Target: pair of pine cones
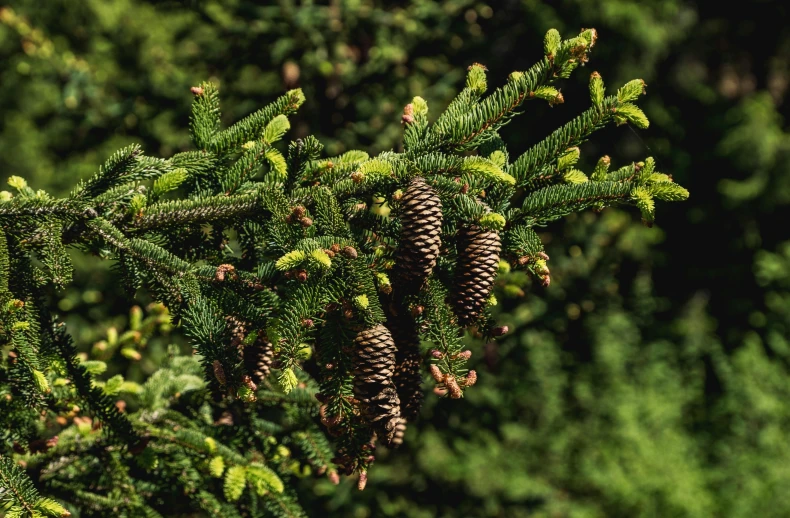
387, 357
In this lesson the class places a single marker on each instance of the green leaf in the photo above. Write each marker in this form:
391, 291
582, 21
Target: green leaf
216, 466
551, 43
631, 90
276, 129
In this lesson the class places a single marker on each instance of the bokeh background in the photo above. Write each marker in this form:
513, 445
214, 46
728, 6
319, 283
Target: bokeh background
651, 379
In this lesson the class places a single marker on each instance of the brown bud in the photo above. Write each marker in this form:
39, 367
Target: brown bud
333, 477
335, 248
348, 314
465, 188
437, 354
436, 373
464, 355
524, 259
120, 405
407, 119
307, 322
471, 378
350, 252
219, 372
357, 176
408, 109
499, 331
439, 391
453, 387
543, 256
301, 275
546, 281
306, 222
247, 381
363, 480
226, 419
224, 270
417, 310
196, 90
329, 253
298, 211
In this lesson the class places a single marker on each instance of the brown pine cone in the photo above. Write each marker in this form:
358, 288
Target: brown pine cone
374, 364
407, 377
400, 431
258, 359
420, 236
478, 259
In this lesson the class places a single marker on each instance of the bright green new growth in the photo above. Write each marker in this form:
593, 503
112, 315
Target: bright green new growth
272, 259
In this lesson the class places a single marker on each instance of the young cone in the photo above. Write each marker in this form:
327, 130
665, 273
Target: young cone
478, 258
374, 366
420, 237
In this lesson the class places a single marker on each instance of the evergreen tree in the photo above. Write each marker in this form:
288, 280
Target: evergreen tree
277, 263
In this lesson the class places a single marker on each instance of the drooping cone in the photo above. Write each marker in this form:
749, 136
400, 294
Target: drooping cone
420, 237
258, 359
407, 378
400, 431
374, 366
478, 260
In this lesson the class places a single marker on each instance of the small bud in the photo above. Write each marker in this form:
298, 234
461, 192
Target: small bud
301, 275
363, 480
333, 477
437, 354
223, 270
436, 373
219, 372
329, 253
524, 259
350, 252
407, 119
397, 195
307, 322
247, 381
358, 176
417, 310
465, 188
471, 378
197, 90
499, 331
453, 387
464, 355
408, 109
306, 222
335, 248
298, 211
439, 391
120, 405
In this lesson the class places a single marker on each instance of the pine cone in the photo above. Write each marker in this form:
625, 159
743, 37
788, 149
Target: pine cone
478, 259
374, 364
407, 378
400, 431
420, 237
258, 360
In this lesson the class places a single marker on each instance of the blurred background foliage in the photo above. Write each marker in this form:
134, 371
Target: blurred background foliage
650, 379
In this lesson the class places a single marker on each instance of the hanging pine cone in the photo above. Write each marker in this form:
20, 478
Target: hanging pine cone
374, 364
407, 378
478, 259
420, 237
400, 431
258, 359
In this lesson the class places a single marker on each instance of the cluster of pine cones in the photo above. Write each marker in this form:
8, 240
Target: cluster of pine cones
387, 357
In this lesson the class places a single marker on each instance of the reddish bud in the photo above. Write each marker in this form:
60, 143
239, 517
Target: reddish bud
464, 355
453, 387
307, 322
499, 331
436, 373
335, 248
301, 276
471, 378
333, 477
437, 354
363, 480
350, 252
306, 222
196, 90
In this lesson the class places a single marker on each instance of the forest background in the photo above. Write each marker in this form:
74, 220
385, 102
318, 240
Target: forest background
652, 378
